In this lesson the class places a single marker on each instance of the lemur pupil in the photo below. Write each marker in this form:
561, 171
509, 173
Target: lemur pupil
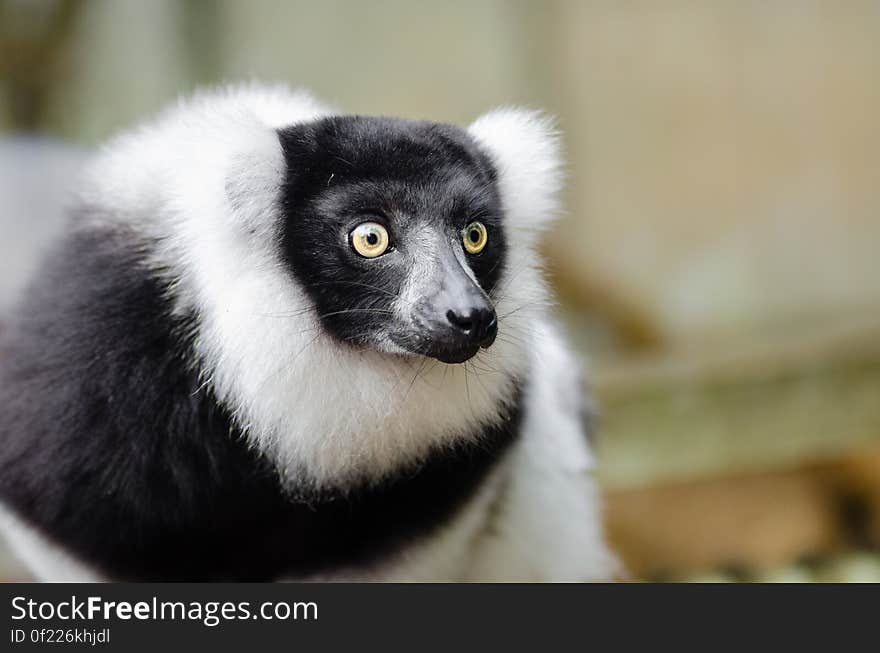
372, 239
475, 236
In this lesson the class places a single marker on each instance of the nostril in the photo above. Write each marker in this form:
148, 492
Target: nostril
465, 323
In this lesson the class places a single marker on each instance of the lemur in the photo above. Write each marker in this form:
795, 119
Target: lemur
277, 342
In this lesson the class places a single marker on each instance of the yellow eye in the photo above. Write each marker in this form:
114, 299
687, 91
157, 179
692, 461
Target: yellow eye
370, 239
475, 237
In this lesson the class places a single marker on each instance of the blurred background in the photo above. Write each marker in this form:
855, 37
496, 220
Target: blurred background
718, 264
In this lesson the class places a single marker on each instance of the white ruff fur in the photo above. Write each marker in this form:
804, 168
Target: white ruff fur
202, 181
46, 560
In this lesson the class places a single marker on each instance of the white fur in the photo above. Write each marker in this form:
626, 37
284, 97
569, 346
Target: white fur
538, 518
548, 525
201, 180
46, 560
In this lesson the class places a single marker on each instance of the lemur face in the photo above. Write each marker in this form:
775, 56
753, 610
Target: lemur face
394, 229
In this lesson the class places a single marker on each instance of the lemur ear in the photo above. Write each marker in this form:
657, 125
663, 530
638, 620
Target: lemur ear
525, 148
254, 177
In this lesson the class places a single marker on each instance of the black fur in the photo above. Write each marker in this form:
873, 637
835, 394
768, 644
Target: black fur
406, 175
108, 447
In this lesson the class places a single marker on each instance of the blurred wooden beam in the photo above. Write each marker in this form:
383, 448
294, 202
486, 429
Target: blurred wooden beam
786, 402
632, 325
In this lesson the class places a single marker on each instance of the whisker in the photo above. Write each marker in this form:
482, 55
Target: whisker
287, 364
477, 376
434, 363
502, 292
467, 389
347, 310
415, 376
352, 283
533, 304
357, 310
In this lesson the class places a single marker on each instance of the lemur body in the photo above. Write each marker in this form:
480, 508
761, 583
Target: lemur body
280, 343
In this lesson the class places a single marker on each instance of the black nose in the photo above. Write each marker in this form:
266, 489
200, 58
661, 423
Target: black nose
478, 324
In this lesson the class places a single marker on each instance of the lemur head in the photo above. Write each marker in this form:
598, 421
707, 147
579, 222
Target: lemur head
395, 231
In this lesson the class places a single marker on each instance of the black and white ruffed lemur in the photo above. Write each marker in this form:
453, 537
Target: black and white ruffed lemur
277, 342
